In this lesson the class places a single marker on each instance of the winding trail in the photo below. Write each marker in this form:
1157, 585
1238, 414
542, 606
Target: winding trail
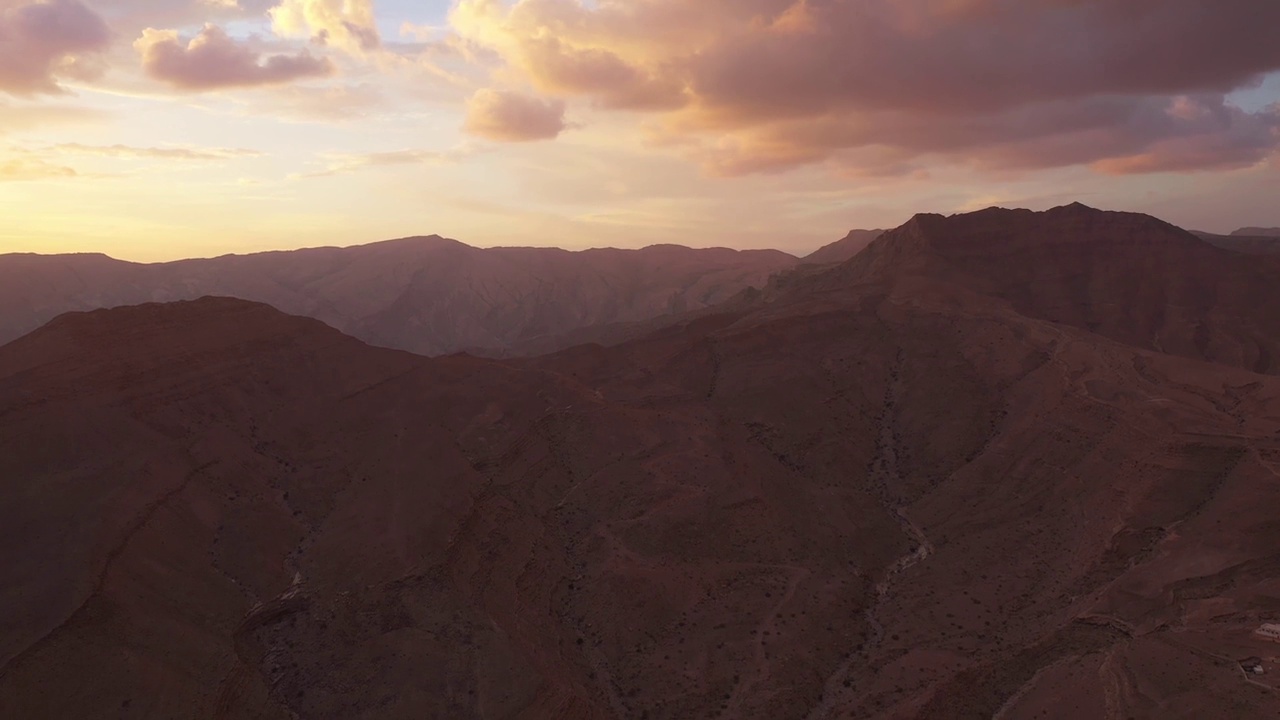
767, 628
885, 475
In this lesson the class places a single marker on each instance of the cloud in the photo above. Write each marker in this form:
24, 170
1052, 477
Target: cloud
43, 41
1209, 135
565, 48
25, 164
213, 60
27, 169
1112, 134
508, 116
751, 86
155, 153
345, 163
347, 24
130, 16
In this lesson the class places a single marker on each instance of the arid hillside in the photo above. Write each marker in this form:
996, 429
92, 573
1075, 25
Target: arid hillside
903, 487
428, 295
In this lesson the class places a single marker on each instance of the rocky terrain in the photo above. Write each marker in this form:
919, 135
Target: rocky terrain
428, 295
1002, 465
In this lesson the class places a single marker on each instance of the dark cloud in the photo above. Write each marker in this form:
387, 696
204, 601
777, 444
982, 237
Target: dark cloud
759, 86
213, 60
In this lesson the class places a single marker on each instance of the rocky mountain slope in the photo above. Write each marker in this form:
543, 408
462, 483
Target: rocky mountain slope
428, 295
905, 487
844, 248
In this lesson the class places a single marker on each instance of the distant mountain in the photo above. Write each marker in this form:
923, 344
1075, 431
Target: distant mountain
428, 295
1246, 244
1258, 232
845, 248
1004, 464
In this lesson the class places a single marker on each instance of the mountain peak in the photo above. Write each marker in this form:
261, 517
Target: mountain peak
996, 236
1077, 206
998, 230
432, 242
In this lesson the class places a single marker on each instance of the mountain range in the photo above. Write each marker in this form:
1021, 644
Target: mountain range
434, 296
1004, 464
1258, 232
1251, 241
428, 295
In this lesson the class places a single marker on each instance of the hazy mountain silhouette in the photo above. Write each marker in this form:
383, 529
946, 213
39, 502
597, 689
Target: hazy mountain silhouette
1258, 232
428, 295
910, 485
1247, 244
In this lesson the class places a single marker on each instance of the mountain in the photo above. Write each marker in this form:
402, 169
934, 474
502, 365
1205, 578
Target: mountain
428, 295
1127, 277
845, 248
898, 487
1247, 244
1258, 232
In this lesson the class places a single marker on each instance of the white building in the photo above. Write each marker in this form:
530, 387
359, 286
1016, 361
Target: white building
1270, 631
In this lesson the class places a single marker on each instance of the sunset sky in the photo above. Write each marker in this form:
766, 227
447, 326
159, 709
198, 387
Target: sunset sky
158, 129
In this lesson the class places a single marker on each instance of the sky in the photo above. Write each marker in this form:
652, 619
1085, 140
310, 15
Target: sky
159, 129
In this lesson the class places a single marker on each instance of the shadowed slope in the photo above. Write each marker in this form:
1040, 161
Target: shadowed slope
270, 524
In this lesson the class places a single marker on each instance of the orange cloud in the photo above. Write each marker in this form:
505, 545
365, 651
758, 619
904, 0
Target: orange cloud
348, 24
342, 164
26, 169
213, 60
155, 153
614, 54
747, 86
44, 40
508, 116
